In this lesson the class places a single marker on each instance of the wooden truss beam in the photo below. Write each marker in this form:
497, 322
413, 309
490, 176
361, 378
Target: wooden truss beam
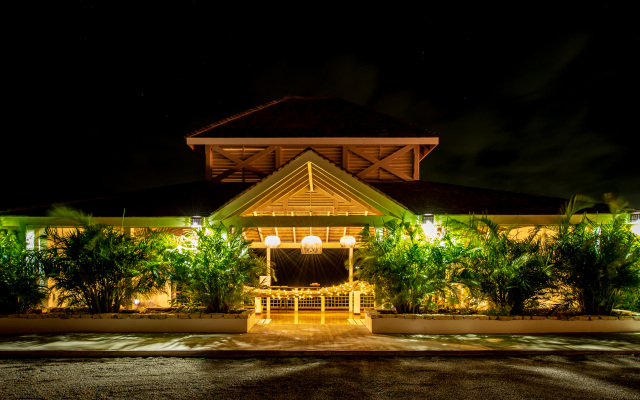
383, 163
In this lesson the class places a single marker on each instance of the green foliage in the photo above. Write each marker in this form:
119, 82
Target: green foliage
597, 261
213, 266
509, 272
407, 269
629, 299
20, 274
101, 268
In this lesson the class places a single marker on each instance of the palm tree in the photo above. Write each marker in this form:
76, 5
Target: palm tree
100, 268
509, 272
213, 265
597, 261
405, 268
21, 275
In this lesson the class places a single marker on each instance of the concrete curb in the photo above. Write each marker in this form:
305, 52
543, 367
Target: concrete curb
298, 353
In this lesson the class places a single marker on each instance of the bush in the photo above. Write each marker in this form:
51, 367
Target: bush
509, 272
97, 267
405, 268
213, 266
597, 261
20, 274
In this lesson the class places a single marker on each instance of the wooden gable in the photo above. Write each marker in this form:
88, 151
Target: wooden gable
308, 196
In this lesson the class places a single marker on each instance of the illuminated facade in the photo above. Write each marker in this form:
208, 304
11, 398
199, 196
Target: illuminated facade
308, 169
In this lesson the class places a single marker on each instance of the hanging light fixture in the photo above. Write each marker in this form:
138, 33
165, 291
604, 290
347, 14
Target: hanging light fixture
348, 241
311, 245
272, 242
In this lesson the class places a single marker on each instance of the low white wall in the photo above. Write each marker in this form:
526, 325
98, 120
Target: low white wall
112, 323
459, 324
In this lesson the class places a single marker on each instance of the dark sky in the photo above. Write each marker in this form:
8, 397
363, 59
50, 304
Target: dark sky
527, 98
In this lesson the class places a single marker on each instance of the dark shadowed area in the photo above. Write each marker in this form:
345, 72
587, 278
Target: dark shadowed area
527, 97
292, 268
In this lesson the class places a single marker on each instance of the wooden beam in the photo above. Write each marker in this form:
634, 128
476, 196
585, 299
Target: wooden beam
242, 164
384, 163
310, 176
416, 162
313, 141
207, 156
345, 157
278, 158
310, 221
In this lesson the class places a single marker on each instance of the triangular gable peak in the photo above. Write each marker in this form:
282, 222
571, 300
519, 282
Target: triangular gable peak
309, 196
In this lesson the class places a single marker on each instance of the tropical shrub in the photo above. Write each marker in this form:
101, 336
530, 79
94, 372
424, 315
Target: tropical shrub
100, 268
507, 271
405, 268
213, 265
597, 261
21, 276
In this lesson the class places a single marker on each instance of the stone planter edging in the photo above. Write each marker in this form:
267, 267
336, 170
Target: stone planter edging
460, 324
119, 323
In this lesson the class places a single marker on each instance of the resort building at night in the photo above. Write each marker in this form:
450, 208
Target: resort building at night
307, 169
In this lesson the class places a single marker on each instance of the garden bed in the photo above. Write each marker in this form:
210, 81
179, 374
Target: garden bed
128, 322
378, 322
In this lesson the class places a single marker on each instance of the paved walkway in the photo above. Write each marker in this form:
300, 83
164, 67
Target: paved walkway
308, 339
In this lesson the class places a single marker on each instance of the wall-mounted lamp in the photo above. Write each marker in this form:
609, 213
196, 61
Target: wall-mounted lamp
634, 220
428, 219
196, 222
428, 226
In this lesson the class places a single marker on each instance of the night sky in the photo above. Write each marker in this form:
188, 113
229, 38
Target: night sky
526, 98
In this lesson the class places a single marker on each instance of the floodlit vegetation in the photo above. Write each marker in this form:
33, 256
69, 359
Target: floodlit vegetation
591, 267
21, 276
100, 268
587, 266
408, 270
508, 271
213, 265
598, 262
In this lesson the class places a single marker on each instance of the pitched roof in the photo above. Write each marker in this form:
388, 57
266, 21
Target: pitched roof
183, 200
311, 117
425, 197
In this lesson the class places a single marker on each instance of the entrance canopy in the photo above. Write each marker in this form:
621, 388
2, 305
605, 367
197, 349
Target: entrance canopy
309, 196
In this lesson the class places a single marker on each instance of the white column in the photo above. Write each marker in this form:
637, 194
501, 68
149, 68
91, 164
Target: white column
350, 301
269, 263
295, 304
322, 303
356, 302
258, 305
268, 300
350, 264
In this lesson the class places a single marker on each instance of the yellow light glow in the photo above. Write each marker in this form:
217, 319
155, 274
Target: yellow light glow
311, 245
347, 241
272, 242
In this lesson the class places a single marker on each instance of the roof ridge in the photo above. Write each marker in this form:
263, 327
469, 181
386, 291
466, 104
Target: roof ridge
236, 116
349, 103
